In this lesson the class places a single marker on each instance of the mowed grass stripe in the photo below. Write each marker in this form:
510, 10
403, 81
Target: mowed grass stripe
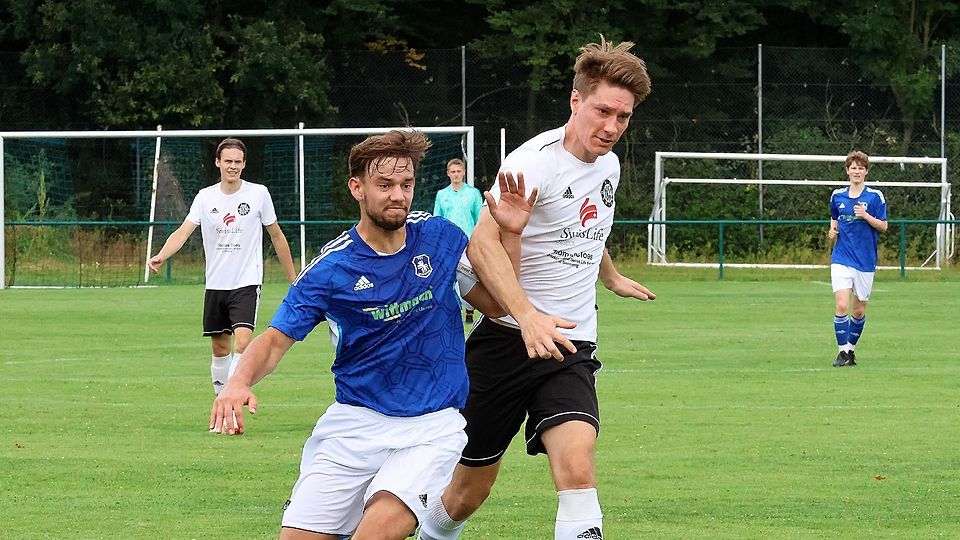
722, 417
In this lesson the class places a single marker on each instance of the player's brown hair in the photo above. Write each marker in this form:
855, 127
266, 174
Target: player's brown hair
859, 157
411, 144
230, 142
612, 64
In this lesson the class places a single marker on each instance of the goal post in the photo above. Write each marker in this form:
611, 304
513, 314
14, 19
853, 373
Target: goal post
302, 167
657, 246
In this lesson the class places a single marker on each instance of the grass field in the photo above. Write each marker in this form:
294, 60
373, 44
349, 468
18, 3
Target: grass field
722, 417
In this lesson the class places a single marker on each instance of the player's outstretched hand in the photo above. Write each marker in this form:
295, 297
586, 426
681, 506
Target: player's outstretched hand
513, 211
541, 337
226, 415
154, 263
623, 286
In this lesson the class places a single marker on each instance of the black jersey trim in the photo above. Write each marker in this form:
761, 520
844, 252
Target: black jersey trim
548, 144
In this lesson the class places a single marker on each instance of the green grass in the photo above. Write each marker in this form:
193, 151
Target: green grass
722, 417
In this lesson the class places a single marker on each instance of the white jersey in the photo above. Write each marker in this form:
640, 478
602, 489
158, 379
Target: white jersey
232, 229
563, 244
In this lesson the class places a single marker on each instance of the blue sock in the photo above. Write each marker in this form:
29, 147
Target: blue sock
856, 328
841, 326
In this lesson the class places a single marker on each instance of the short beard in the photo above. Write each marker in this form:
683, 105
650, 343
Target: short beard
388, 225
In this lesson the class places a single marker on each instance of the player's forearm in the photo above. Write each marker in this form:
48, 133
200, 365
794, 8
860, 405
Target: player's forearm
174, 242
878, 224
490, 261
282, 248
511, 246
261, 357
608, 270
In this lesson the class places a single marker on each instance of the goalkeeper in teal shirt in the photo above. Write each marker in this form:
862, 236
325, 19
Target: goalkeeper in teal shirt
460, 203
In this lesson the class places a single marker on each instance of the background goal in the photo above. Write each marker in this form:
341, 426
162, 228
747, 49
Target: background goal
84, 208
790, 193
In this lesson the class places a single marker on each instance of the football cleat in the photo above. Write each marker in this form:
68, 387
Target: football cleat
843, 357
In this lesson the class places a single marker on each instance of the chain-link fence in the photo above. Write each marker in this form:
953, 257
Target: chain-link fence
746, 99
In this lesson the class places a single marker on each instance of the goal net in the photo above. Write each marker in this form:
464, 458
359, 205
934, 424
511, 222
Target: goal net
84, 209
788, 195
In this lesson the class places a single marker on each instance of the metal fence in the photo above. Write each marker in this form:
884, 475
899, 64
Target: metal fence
746, 99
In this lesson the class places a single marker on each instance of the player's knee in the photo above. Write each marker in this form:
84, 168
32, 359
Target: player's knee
462, 503
220, 349
859, 311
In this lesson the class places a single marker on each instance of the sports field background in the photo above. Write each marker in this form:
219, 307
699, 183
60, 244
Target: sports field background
722, 416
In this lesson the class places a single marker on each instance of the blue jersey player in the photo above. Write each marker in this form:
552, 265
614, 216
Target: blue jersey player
387, 289
857, 214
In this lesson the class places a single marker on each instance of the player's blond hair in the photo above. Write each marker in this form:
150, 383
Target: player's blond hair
612, 64
859, 157
456, 161
410, 144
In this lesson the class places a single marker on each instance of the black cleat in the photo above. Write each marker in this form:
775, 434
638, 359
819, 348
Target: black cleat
851, 359
843, 359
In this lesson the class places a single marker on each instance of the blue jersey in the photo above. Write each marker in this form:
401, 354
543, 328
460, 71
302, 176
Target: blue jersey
857, 242
394, 319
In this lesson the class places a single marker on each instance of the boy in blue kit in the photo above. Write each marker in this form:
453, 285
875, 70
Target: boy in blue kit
388, 290
857, 214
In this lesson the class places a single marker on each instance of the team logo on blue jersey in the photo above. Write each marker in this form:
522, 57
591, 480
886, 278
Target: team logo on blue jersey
421, 265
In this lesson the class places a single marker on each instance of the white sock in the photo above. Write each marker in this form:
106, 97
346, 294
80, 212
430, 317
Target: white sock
234, 362
578, 515
220, 372
438, 525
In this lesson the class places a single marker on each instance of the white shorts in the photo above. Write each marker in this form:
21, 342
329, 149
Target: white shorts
355, 452
844, 277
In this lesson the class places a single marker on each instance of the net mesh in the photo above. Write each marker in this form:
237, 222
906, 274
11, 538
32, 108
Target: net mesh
55, 238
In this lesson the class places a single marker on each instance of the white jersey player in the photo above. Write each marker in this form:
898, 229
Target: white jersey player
231, 215
563, 253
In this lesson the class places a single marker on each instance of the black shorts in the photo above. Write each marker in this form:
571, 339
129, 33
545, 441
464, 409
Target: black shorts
506, 387
223, 311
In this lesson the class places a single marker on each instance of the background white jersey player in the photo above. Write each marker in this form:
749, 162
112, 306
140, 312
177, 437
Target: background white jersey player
563, 253
231, 215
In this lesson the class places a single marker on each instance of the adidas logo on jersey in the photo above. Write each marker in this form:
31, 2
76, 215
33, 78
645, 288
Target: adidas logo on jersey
568, 194
214, 211
362, 283
593, 533
842, 206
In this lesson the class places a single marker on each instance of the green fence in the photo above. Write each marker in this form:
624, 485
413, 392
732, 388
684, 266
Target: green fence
113, 253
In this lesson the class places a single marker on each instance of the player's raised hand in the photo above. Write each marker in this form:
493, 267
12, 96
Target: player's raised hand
623, 286
513, 211
226, 415
541, 336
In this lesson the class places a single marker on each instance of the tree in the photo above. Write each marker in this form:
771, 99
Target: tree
898, 43
174, 62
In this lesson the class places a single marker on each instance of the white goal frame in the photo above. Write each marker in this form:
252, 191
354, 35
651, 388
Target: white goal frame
299, 132
657, 229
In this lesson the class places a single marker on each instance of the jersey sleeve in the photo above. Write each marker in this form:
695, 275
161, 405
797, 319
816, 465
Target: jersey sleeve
438, 204
269, 215
196, 211
834, 213
304, 306
881, 208
477, 205
530, 164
